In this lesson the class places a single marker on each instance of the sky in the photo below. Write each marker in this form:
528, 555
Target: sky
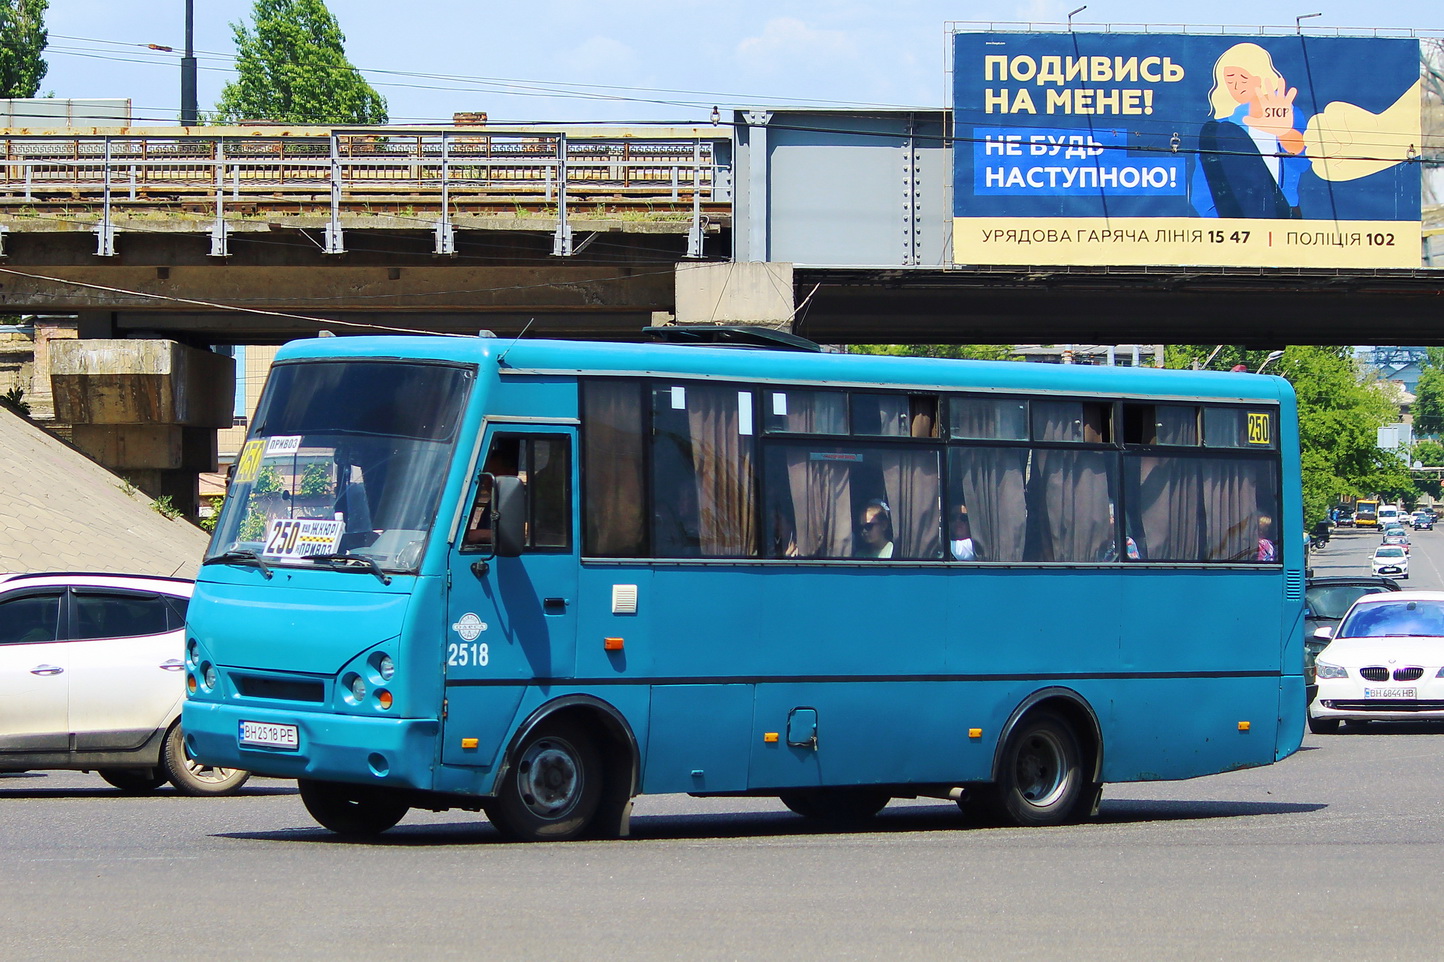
580, 61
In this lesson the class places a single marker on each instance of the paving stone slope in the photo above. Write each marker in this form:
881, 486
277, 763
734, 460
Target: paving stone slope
60, 511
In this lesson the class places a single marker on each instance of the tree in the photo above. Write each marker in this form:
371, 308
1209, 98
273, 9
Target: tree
975, 352
1429, 402
293, 68
1339, 418
22, 38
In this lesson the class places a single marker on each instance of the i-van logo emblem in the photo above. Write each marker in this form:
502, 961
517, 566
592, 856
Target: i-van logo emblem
469, 627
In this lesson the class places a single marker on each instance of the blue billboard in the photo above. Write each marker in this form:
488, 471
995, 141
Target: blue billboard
1141, 149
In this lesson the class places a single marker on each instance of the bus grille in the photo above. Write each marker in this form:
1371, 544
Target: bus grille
280, 689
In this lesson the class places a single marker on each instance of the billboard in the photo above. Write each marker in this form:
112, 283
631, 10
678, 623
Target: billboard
1184, 150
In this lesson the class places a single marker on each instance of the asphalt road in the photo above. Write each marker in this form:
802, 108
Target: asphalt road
1334, 853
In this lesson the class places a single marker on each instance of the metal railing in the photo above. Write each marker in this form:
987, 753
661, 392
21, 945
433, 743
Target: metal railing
451, 171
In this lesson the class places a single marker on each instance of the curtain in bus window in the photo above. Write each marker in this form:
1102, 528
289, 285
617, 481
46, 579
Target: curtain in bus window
1070, 507
1005, 419
818, 495
910, 476
1176, 424
1240, 508
722, 468
1165, 498
819, 506
989, 482
612, 469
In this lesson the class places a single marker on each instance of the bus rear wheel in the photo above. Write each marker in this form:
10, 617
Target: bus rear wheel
360, 811
1041, 780
552, 789
836, 804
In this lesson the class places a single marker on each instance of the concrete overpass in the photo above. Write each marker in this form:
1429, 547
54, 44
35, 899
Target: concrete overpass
836, 224
260, 234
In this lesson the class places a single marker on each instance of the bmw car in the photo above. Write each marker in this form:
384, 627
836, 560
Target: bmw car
1385, 662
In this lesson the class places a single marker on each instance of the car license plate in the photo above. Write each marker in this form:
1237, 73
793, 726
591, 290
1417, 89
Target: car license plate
267, 735
1389, 570
1391, 692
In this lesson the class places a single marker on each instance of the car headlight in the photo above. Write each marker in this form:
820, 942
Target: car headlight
1326, 670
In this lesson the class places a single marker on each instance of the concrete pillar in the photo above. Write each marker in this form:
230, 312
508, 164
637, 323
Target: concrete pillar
752, 293
146, 409
47, 331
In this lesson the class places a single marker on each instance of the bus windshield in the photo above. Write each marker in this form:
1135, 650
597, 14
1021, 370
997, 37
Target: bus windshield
345, 458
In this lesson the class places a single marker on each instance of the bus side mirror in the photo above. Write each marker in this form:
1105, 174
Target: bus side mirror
508, 511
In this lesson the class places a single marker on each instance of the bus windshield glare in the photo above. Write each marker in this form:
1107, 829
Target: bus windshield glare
345, 458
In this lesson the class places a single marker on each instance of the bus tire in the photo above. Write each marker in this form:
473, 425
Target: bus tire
1041, 778
191, 777
136, 781
358, 811
835, 804
553, 787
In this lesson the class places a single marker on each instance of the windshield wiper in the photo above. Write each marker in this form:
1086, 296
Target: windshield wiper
365, 563
240, 556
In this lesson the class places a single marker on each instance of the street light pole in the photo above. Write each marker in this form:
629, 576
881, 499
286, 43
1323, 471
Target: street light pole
188, 70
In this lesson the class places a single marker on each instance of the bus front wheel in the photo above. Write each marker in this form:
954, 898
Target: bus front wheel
553, 788
356, 810
1040, 775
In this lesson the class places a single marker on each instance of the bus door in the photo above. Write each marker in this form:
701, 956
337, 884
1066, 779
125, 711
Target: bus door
510, 622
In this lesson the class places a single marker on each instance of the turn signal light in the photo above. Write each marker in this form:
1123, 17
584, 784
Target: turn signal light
190, 683
1243, 726
612, 644
769, 737
383, 698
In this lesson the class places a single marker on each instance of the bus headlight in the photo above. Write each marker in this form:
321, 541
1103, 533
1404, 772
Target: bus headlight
385, 667
209, 679
356, 688
1326, 670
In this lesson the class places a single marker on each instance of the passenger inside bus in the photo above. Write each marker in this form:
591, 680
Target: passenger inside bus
960, 534
874, 530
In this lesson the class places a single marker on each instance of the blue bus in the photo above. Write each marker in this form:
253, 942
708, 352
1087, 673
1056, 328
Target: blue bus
538, 578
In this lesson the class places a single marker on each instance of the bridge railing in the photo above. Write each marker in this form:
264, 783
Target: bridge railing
453, 171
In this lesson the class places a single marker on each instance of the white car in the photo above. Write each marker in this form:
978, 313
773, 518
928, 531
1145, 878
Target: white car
1391, 560
92, 678
1385, 662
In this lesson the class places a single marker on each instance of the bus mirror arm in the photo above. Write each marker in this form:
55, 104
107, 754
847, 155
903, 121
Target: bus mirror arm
509, 515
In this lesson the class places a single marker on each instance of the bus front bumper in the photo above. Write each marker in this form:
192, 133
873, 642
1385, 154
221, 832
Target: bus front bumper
398, 752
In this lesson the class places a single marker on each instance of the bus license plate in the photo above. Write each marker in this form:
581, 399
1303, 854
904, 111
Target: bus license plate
1391, 692
267, 735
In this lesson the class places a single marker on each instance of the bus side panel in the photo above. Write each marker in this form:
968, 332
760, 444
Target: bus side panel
483, 714
880, 732
1169, 728
697, 739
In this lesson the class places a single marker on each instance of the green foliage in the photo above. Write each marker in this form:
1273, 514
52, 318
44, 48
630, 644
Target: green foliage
1339, 418
315, 480
268, 481
165, 507
1429, 401
292, 68
1429, 453
253, 527
216, 503
975, 352
22, 39
14, 400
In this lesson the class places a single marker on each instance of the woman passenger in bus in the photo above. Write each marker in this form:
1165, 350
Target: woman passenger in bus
874, 530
